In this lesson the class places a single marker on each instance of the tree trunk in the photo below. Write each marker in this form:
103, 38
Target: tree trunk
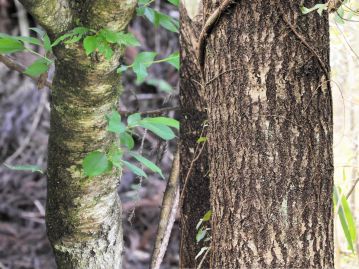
196, 192
270, 135
83, 214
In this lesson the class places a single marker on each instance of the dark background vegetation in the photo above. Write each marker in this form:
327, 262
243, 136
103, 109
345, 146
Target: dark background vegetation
24, 126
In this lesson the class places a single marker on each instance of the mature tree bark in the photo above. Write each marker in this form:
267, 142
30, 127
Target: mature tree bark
83, 215
194, 178
268, 100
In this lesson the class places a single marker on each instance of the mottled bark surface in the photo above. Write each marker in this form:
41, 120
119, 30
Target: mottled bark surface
270, 136
83, 215
196, 199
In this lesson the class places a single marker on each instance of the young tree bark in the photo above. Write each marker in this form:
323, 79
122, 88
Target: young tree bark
195, 180
268, 100
83, 215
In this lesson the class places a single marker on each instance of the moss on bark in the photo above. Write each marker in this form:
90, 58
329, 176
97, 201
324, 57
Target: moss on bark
83, 215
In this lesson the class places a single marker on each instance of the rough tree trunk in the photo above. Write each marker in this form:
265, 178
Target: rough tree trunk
270, 135
196, 194
83, 214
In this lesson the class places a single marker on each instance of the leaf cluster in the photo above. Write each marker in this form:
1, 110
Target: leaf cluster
97, 163
203, 229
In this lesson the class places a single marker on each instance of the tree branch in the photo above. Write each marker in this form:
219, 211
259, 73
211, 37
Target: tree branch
151, 112
112, 14
55, 16
333, 5
208, 27
306, 44
14, 65
168, 214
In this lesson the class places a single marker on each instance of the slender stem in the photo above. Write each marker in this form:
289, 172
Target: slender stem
13, 65
157, 61
38, 54
163, 60
149, 3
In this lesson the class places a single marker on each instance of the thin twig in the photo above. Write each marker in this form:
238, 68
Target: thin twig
168, 214
221, 74
346, 41
151, 112
14, 65
203, 258
208, 27
352, 188
191, 167
140, 151
301, 38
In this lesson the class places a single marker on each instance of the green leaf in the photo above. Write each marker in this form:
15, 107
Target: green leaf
73, 39
340, 15
29, 40
37, 68
202, 139
199, 224
134, 169
109, 35
114, 123
127, 39
150, 14
207, 216
146, 57
200, 235
167, 22
158, 18
160, 130
201, 252
47, 43
127, 140
161, 84
349, 218
122, 68
142, 61
140, 11
174, 2
143, 2
60, 39
318, 7
141, 71
150, 165
80, 30
104, 48
164, 121
115, 156
39, 31
10, 45
174, 60
90, 44
349, 235
72, 36
133, 119
25, 167
96, 163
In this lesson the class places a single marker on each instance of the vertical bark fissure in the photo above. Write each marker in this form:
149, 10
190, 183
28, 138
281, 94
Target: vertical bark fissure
196, 198
270, 138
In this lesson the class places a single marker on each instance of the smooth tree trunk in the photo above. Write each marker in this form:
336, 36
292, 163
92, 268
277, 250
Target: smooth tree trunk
268, 99
83, 214
194, 178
